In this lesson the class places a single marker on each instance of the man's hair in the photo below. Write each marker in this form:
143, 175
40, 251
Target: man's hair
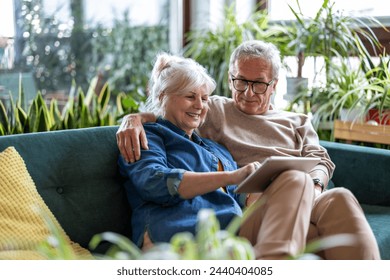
175, 75
257, 49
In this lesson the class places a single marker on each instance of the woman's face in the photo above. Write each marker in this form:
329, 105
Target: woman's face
188, 110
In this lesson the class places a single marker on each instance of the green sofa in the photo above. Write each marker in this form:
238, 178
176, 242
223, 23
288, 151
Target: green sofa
76, 174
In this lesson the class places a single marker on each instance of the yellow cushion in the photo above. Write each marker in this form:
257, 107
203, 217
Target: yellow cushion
24, 215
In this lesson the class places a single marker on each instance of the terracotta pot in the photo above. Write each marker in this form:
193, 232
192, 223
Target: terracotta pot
374, 115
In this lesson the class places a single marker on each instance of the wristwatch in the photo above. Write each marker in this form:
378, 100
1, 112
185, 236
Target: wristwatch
318, 182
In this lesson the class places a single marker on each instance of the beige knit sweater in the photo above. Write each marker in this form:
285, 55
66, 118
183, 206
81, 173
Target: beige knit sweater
255, 137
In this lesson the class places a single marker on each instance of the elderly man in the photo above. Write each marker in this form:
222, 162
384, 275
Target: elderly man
296, 208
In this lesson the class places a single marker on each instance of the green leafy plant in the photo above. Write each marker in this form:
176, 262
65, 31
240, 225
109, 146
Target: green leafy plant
56, 246
213, 48
328, 34
378, 75
123, 54
325, 243
80, 111
210, 242
345, 89
351, 91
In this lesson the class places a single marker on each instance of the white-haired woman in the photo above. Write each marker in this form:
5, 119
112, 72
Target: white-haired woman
180, 172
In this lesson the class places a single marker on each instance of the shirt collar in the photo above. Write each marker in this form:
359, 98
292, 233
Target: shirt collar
195, 137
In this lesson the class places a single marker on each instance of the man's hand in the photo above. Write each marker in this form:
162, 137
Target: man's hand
130, 135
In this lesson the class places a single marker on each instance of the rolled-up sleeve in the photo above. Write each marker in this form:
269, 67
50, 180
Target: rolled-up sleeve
151, 176
153, 182
173, 181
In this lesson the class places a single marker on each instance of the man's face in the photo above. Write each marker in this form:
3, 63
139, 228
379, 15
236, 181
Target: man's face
253, 70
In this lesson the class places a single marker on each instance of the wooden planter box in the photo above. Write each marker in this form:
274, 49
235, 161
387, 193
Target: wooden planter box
351, 131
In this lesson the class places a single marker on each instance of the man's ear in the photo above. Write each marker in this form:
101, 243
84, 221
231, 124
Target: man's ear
230, 83
274, 84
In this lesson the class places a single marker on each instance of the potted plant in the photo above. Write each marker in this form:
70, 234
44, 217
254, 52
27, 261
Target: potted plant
326, 35
356, 94
342, 97
377, 109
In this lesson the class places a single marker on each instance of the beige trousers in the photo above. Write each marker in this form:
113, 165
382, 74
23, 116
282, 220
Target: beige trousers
290, 216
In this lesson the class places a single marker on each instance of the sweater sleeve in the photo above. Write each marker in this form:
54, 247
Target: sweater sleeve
213, 124
311, 147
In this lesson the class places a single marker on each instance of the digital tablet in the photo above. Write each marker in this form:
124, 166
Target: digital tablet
260, 179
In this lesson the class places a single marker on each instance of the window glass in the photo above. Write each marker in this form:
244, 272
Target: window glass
6, 18
107, 11
112, 41
140, 12
279, 9
7, 33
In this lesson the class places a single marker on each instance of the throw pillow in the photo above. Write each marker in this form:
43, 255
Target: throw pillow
26, 223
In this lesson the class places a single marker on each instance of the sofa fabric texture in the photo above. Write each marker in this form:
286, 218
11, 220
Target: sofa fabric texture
76, 174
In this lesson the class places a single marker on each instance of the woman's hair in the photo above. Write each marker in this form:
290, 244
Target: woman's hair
257, 49
175, 75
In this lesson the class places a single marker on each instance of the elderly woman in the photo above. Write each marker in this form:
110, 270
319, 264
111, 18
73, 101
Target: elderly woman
181, 172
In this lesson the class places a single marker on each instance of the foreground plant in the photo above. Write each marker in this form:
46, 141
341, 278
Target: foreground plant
210, 242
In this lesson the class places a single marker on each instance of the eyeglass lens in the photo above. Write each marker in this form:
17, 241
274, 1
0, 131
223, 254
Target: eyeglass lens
242, 85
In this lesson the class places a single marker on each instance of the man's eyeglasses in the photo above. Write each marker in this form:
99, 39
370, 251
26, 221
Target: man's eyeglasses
257, 87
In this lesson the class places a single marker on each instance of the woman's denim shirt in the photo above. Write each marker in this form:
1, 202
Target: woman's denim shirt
152, 183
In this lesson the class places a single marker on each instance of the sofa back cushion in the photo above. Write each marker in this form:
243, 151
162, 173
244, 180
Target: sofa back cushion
75, 172
363, 170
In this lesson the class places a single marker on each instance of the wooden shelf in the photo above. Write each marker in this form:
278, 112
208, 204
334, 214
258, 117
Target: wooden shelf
351, 131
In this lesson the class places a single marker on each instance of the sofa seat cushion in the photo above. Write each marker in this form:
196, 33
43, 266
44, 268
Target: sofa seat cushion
25, 220
378, 218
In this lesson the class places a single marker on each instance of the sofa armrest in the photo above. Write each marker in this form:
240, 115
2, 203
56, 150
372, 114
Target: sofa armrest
363, 170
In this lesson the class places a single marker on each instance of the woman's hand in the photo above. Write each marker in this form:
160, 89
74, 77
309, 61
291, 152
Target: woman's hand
245, 172
211, 181
240, 174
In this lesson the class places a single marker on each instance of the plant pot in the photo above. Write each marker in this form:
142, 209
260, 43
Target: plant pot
295, 86
380, 118
352, 115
